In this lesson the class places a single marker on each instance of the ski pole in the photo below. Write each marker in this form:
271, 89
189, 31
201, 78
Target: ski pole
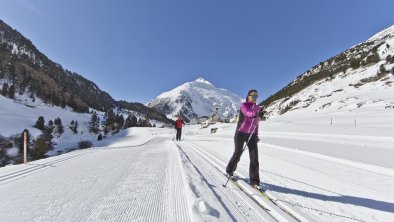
244, 148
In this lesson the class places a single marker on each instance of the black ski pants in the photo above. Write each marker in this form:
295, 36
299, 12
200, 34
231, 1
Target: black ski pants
178, 134
240, 139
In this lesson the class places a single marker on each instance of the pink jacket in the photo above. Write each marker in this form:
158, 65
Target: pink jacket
248, 118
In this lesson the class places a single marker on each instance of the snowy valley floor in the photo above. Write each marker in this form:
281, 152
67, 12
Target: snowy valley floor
321, 173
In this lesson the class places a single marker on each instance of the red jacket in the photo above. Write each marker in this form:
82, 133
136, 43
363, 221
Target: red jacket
178, 124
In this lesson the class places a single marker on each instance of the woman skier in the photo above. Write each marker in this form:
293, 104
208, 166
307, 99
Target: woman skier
247, 131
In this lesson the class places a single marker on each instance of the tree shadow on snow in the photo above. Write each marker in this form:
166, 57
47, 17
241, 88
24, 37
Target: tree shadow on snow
359, 201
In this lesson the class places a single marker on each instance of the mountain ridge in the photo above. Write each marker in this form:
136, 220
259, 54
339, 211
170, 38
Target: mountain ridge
359, 66
30, 71
195, 99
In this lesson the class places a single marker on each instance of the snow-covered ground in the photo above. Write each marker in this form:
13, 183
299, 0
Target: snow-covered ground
22, 113
323, 172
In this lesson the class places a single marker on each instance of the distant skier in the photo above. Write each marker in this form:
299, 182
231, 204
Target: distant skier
178, 126
247, 131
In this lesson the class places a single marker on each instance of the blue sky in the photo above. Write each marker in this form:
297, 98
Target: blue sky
136, 49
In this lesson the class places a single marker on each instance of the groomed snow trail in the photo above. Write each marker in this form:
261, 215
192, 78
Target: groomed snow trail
243, 206
135, 177
136, 183
325, 188
235, 204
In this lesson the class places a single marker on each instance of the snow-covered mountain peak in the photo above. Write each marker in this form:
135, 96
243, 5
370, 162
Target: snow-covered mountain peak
202, 80
196, 99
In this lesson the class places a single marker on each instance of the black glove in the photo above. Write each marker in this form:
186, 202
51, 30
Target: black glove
258, 139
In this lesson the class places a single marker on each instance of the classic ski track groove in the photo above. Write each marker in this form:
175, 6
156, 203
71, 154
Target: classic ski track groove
232, 203
156, 206
231, 207
329, 138
337, 138
179, 188
284, 215
237, 199
294, 213
41, 166
288, 205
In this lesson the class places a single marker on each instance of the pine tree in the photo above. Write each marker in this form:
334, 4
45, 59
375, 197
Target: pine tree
374, 58
94, 123
58, 121
26, 78
63, 103
31, 96
59, 126
355, 64
11, 92
127, 123
43, 143
120, 121
41, 147
146, 123
71, 102
13, 73
49, 129
74, 127
60, 129
47, 133
40, 124
4, 90
133, 121
110, 120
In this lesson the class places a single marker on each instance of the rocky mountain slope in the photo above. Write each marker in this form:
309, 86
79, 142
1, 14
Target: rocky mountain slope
360, 76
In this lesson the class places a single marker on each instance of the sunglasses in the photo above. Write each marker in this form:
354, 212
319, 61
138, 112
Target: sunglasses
254, 96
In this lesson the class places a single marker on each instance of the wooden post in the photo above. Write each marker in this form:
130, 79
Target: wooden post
25, 146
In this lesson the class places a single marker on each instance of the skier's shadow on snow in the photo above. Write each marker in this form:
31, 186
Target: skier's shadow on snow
359, 201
